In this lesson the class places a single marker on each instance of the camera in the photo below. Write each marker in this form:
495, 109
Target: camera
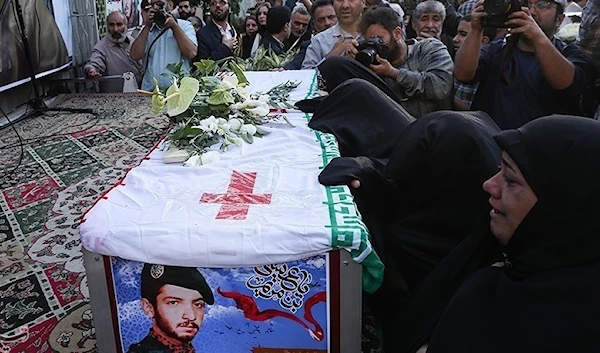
369, 49
498, 11
160, 16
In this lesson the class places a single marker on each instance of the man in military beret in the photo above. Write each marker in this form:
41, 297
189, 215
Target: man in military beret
174, 298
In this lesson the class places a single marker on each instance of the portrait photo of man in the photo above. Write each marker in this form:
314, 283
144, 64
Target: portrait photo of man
174, 298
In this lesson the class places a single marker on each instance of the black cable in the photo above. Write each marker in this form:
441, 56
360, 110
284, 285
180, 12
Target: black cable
27, 141
150, 48
4, 175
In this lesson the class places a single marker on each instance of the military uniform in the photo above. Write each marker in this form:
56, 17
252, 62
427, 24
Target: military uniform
153, 278
154, 344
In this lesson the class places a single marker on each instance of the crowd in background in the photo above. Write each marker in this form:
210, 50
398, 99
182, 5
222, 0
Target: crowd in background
432, 100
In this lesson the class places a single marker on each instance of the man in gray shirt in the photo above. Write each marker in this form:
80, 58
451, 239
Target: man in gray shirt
110, 55
339, 40
418, 74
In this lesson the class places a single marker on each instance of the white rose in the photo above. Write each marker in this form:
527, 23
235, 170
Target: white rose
220, 121
248, 129
193, 161
257, 108
210, 157
235, 124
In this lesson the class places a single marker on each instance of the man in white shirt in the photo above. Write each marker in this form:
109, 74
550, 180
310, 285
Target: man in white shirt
339, 40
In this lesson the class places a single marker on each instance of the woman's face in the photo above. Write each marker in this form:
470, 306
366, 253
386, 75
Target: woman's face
261, 15
251, 27
511, 199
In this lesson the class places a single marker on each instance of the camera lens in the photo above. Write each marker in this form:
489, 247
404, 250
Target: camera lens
366, 56
496, 7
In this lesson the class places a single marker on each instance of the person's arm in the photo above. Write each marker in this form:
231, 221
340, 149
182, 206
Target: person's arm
222, 50
96, 65
557, 70
434, 80
138, 48
307, 4
313, 56
186, 40
466, 59
589, 32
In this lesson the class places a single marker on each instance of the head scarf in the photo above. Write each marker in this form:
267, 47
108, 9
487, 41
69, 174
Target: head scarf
421, 205
438, 166
545, 300
364, 120
558, 157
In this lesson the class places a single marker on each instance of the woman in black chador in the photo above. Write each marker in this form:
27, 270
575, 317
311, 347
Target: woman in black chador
546, 211
418, 187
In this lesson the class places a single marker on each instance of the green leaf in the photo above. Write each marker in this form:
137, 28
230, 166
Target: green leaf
182, 97
262, 131
221, 97
157, 104
175, 68
206, 67
247, 138
242, 80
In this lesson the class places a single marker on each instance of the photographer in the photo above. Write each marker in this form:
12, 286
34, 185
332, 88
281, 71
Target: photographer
172, 40
418, 76
531, 75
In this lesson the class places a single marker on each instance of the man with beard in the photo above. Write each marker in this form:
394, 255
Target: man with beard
339, 40
184, 9
300, 29
218, 39
174, 298
531, 75
418, 74
110, 55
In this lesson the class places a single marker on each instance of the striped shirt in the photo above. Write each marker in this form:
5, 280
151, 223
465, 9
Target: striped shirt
465, 92
424, 82
467, 7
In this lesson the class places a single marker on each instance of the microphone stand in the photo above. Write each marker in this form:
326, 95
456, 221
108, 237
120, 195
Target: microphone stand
38, 105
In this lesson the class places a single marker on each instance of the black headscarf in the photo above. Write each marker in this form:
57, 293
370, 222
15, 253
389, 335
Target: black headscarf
425, 200
364, 120
545, 299
438, 166
559, 158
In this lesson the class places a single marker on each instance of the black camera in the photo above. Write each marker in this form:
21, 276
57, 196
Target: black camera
498, 11
369, 49
160, 16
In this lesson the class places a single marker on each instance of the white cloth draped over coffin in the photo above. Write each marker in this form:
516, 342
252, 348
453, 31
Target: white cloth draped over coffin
275, 209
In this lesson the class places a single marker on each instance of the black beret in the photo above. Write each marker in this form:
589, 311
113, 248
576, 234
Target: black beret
155, 276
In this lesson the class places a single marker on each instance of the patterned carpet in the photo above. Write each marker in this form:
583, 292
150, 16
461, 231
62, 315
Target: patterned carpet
68, 160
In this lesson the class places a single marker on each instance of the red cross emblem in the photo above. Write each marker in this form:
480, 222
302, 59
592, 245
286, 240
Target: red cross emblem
236, 202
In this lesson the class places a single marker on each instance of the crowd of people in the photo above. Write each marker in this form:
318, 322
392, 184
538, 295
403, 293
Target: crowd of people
465, 138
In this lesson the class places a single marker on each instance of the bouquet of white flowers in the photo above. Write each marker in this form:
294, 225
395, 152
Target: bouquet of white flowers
214, 111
